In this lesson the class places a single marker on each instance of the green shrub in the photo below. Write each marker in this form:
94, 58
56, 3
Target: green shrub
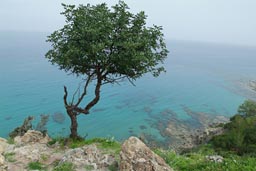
66, 166
35, 166
10, 157
248, 108
240, 132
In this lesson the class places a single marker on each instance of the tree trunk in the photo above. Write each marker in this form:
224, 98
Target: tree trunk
74, 125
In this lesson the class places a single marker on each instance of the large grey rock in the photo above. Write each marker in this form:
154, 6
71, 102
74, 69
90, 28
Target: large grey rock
136, 156
32, 136
88, 156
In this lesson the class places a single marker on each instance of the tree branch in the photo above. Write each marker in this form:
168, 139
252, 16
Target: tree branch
97, 93
65, 96
85, 90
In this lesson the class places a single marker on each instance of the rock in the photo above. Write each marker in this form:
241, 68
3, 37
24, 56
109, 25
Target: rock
88, 156
32, 152
136, 156
215, 158
3, 165
3, 145
20, 131
32, 136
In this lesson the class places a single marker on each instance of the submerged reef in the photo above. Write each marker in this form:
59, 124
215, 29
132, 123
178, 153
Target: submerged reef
58, 117
182, 134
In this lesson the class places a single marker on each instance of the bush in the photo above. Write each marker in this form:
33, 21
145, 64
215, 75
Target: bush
35, 166
240, 134
64, 167
248, 108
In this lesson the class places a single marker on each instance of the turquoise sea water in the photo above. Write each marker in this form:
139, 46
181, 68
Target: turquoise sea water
202, 77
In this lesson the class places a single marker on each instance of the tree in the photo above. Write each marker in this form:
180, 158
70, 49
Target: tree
239, 135
248, 108
104, 45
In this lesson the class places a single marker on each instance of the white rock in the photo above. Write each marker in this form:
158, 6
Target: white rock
136, 156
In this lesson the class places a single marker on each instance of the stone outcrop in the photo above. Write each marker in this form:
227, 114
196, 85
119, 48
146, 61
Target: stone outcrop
33, 147
215, 158
89, 156
3, 164
32, 136
3, 145
20, 131
136, 156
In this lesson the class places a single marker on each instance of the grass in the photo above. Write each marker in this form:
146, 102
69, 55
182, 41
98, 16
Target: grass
66, 166
44, 157
196, 160
103, 143
89, 167
10, 157
10, 140
35, 166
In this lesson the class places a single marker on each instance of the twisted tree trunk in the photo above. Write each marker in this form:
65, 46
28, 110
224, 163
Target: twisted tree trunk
73, 110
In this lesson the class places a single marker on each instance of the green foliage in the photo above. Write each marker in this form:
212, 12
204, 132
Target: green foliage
113, 167
35, 166
9, 157
60, 140
44, 157
105, 45
248, 108
10, 140
240, 134
65, 166
114, 40
196, 161
104, 143
89, 167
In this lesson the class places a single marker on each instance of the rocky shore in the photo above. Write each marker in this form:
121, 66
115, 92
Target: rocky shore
184, 134
33, 148
252, 85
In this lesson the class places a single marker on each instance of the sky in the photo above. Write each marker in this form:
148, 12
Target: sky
217, 21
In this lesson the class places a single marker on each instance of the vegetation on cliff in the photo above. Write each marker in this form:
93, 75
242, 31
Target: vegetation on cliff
240, 133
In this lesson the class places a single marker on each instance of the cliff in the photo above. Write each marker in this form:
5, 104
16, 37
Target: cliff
35, 151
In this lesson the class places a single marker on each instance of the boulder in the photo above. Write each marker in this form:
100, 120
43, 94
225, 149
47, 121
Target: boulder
3, 145
89, 156
215, 158
136, 156
32, 136
3, 165
32, 152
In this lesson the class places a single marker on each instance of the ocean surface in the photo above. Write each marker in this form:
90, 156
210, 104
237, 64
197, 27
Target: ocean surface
201, 77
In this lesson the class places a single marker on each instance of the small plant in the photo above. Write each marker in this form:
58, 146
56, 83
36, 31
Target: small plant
89, 167
44, 157
10, 157
65, 166
35, 166
113, 167
60, 140
10, 140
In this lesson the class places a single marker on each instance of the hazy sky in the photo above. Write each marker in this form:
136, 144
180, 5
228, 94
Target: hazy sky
223, 21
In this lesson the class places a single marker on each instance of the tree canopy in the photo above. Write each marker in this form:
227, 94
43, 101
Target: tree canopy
115, 42
248, 108
107, 45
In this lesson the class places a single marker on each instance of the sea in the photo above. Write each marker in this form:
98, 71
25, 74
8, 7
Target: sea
202, 77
